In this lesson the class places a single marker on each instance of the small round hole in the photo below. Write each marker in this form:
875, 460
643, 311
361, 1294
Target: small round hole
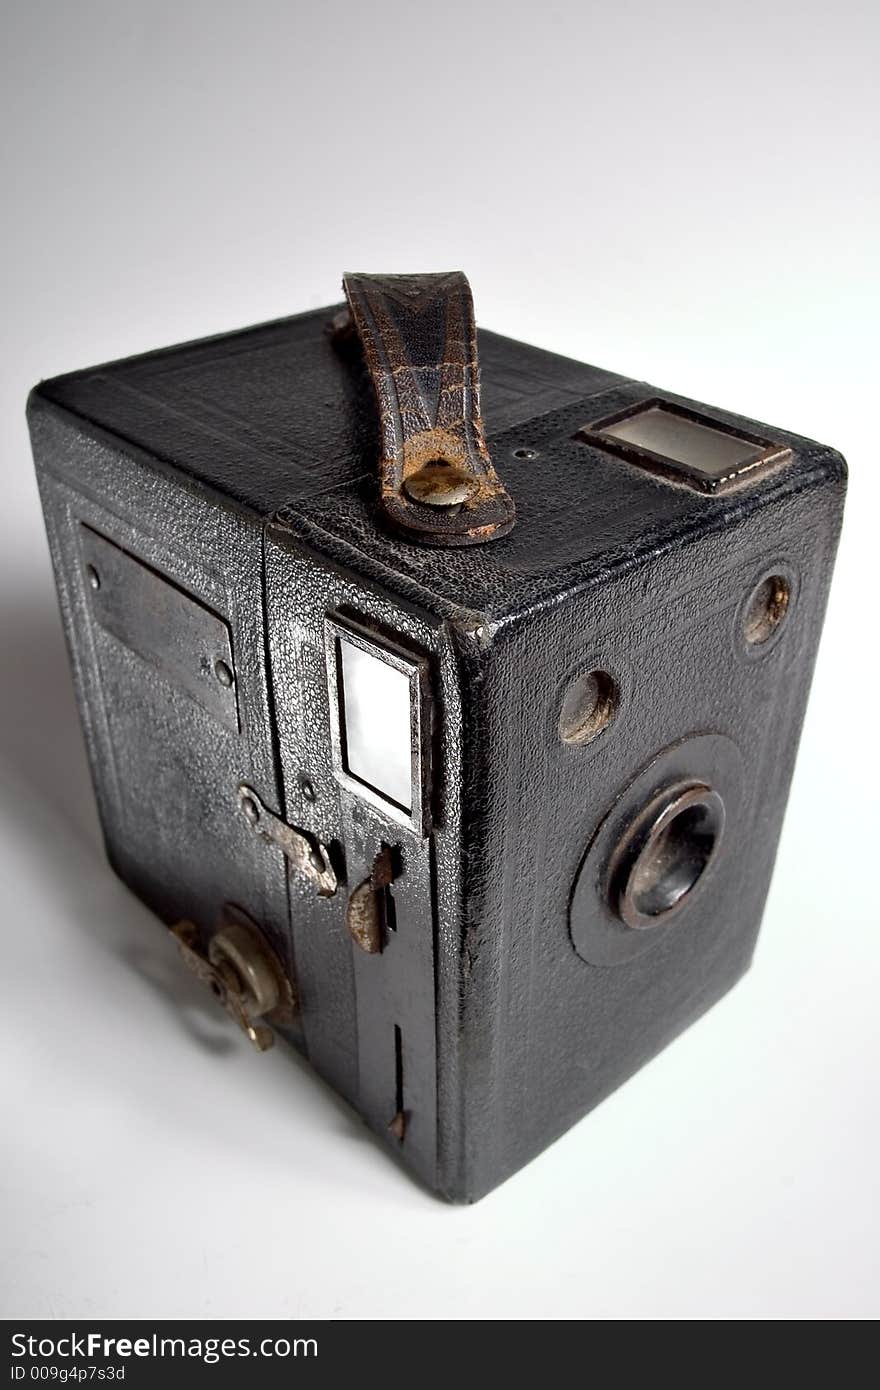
525, 453
93, 577
589, 706
766, 609
223, 673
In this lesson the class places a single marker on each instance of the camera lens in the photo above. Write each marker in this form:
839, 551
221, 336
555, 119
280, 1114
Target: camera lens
665, 853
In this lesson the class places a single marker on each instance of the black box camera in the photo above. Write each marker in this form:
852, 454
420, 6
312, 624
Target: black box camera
453, 749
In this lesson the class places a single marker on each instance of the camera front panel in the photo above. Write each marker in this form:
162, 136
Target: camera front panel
644, 734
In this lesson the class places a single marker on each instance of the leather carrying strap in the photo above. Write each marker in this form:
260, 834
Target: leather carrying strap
437, 483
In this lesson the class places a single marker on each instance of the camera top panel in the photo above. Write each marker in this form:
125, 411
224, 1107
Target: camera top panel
272, 414
278, 423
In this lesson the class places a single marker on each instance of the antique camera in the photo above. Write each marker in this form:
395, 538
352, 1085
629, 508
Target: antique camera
452, 748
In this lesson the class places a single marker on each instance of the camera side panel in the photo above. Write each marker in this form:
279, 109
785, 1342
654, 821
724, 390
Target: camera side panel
160, 589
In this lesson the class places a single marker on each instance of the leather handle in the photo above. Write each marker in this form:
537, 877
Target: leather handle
437, 483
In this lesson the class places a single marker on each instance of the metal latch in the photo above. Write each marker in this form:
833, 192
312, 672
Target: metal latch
305, 853
242, 972
369, 914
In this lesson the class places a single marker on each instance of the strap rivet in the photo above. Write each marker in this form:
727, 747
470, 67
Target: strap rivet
440, 484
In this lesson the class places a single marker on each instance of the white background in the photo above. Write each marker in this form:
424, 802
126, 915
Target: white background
683, 192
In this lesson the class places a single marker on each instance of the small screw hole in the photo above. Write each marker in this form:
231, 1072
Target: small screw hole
93, 577
223, 673
525, 453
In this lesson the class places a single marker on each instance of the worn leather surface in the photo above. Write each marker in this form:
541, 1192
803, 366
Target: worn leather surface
530, 1036
420, 347
259, 499
273, 414
352, 1002
166, 770
548, 1035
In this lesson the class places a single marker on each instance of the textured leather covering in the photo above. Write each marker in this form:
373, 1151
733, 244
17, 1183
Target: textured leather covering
242, 470
272, 414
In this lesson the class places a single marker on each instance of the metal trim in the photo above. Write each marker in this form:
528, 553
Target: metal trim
768, 453
415, 666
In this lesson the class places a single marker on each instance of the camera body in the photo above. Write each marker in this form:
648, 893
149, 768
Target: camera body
479, 827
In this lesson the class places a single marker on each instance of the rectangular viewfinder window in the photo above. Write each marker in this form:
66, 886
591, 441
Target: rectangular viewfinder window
380, 720
377, 712
684, 440
666, 438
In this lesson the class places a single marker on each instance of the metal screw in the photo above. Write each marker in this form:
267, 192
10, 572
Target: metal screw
440, 484
222, 672
93, 577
